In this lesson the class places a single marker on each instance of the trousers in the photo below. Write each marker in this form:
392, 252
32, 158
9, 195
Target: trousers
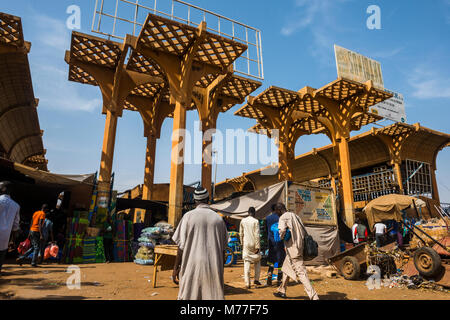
300, 271
247, 265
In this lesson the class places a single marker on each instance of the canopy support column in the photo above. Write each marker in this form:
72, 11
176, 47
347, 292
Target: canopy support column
149, 168
346, 180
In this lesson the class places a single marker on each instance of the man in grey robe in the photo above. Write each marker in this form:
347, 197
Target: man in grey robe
293, 266
202, 239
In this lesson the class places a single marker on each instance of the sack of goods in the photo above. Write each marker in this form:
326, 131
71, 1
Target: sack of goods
161, 233
435, 228
144, 256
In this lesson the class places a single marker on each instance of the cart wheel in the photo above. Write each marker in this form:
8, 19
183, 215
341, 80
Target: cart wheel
350, 268
229, 257
427, 261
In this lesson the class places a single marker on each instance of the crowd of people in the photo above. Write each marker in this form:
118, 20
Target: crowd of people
383, 233
46, 227
202, 238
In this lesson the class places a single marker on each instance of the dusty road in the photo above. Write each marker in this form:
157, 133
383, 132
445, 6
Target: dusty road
131, 281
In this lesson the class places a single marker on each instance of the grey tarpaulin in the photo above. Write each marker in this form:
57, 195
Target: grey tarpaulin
262, 200
327, 237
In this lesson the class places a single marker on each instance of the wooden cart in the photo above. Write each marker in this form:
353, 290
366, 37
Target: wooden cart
349, 262
164, 258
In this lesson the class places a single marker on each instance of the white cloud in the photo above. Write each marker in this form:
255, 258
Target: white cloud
298, 22
51, 32
50, 72
319, 17
428, 83
56, 92
387, 53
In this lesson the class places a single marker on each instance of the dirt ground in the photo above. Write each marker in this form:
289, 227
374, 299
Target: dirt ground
131, 281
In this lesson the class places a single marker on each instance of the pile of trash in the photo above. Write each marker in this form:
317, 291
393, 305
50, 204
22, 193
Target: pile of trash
414, 282
161, 233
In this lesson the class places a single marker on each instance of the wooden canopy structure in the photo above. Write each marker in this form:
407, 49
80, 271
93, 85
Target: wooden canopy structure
171, 68
336, 109
369, 149
20, 134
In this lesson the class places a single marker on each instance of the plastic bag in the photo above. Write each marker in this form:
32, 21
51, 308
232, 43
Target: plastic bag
24, 246
51, 251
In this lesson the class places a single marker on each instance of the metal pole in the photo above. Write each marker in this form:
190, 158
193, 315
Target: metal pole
215, 176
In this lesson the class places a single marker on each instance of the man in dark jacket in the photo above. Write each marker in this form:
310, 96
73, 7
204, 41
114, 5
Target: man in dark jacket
277, 254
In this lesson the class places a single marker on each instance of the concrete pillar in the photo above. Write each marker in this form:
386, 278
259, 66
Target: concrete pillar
285, 165
149, 168
398, 176
207, 162
177, 164
109, 139
346, 181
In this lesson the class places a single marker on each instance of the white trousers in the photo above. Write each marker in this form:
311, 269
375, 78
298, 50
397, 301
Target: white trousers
247, 271
302, 276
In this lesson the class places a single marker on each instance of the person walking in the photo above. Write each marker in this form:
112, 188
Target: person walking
47, 232
9, 219
249, 234
276, 254
355, 239
360, 233
202, 238
380, 232
293, 266
35, 236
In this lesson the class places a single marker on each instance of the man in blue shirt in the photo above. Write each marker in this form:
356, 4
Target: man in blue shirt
277, 254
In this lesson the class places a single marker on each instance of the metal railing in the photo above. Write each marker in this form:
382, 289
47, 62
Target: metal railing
116, 18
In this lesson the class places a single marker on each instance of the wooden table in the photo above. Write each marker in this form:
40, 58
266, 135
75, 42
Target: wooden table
165, 258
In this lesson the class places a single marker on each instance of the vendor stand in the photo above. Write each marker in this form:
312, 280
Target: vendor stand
165, 256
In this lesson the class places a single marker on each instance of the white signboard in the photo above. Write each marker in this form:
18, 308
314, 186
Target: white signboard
315, 206
392, 109
354, 66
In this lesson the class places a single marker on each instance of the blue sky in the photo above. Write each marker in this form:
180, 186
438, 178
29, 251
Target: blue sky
412, 46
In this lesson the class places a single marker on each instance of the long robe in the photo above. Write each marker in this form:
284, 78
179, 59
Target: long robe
250, 240
294, 246
293, 266
202, 236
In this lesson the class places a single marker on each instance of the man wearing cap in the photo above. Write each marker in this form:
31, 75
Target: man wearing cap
202, 239
9, 219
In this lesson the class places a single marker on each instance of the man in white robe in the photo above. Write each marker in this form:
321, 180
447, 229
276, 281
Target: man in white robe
293, 266
202, 239
250, 240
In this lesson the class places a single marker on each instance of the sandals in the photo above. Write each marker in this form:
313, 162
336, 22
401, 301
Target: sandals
280, 295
